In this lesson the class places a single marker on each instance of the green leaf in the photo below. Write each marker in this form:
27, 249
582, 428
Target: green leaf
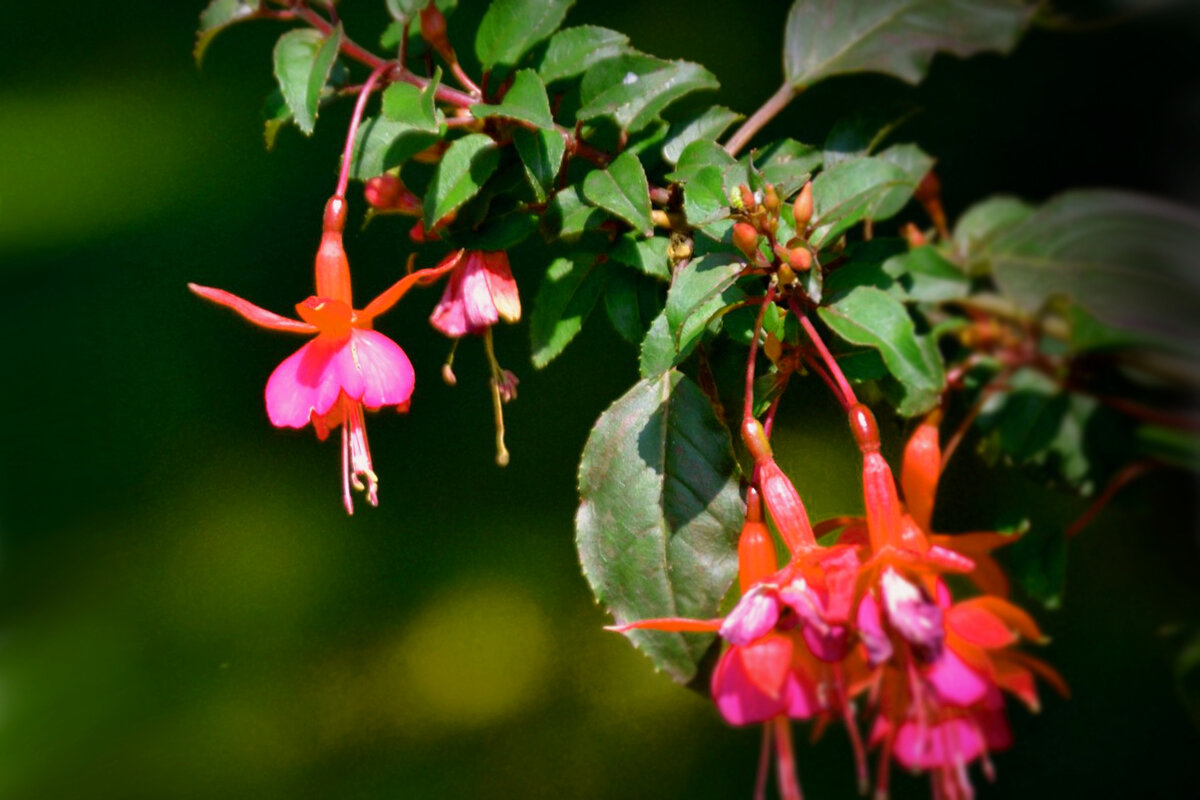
218, 15
541, 153
704, 199
981, 222
698, 155
622, 189
631, 301
872, 318
383, 143
464, 168
510, 28
567, 216
647, 255
895, 37
634, 88
787, 164
568, 294
572, 50
660, 513
1127, 259
927, 276
403, 102
303, 60
845, 194
525, 100
657, 353
503, 232
704, 125
915, 163
701, 291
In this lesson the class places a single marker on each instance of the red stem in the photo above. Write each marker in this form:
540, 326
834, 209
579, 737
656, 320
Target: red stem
348, 152
748, 403
847, 393
1127, 475
766, 112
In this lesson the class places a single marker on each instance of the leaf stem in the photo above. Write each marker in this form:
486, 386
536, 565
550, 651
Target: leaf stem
766, 112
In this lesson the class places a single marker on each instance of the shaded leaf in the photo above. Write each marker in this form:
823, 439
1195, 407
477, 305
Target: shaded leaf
861, 133
847, 193
872, 318
503, 232
464, 168
567, 216
633, 89
572, 50
981, 222
541, 153
704, 125
915, 163
660, 513
702, 289
895, 37
631, 301
647, 255
382, 143
566, 297
510, 28
525, 100
303, 60
622, 189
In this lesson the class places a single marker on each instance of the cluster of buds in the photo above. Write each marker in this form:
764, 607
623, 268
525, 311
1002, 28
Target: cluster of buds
871, 622
756, 230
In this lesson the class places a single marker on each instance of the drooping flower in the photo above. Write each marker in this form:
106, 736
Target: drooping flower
481, 291
346, 367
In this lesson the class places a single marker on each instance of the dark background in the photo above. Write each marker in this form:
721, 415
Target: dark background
186, 612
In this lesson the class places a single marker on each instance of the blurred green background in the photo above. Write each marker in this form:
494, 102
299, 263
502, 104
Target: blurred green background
188, 613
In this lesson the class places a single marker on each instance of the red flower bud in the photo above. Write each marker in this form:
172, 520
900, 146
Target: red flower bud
748, 199
862, 425
388, 193
802, 208
770, 200
800, 259
745, 238
433, 30
920, 470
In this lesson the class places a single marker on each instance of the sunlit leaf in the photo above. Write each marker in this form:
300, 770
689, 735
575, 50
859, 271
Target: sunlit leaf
303, 60
572, 50
847, 193
702, 289
218, 15
541, 153
465, 167
525, 100
622, 189
510, 28
567, 295
707, 125
633, 88
660, 514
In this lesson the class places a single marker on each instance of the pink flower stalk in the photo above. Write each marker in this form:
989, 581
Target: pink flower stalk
481, 291
346, 367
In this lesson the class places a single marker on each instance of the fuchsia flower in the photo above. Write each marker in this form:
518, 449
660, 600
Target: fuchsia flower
481, 291
347, 365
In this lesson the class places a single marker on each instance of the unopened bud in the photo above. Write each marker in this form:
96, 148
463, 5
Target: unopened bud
912, 234
770, 200
433, 30
785, 276
921, 468
745, 238
929, 189
800, 259
802, 208
749, 201
862, 425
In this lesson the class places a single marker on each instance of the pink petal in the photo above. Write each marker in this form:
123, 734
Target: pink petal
829, 645
502, 286
870, 629
803, 696
912, 614
449, 316
476, 295
387, 374
956, 683
944, 744
754, 616
304, 384
738, 699
766, 663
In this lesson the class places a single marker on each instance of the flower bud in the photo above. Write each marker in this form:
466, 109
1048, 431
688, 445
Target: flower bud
799, 259
745, 238
920, 470
802, 208
433, 30
770, 200
862, 425
749, 201
388, 193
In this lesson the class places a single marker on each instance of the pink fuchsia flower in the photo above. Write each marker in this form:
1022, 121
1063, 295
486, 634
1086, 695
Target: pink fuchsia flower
481, 291
346, 367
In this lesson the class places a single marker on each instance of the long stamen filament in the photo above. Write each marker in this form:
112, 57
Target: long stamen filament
502, 456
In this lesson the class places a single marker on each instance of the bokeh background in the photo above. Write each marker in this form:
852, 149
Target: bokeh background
185, 610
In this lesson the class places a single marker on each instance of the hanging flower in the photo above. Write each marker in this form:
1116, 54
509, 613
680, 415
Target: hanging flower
481, 291
346, 367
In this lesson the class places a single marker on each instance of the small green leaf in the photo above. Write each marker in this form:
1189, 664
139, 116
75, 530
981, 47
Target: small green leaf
895, 37
383, 143
567, 216
701, 291
525, 100
698, 155
647, 255
541, 153
660, 513
572, 50
218, 15
915, 163
303, 60
403, 102
980, 224
927, 276
704, 125
634, 88
872, 318
622, 189
657, 353
846, 194
704, 198
464, 168
510, 28
1127, 259
568, 294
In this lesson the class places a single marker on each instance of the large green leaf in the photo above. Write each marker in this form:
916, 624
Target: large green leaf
701, 291
510, 28
403, 102
303, 60
541, 153
1127, 259
622, 189
383, 143
525, 100
218, 15
870, 317
981, 223
660, 513
895, 37
464, 168
849, 192
572, 50
633, 88
707, 124
568, 294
